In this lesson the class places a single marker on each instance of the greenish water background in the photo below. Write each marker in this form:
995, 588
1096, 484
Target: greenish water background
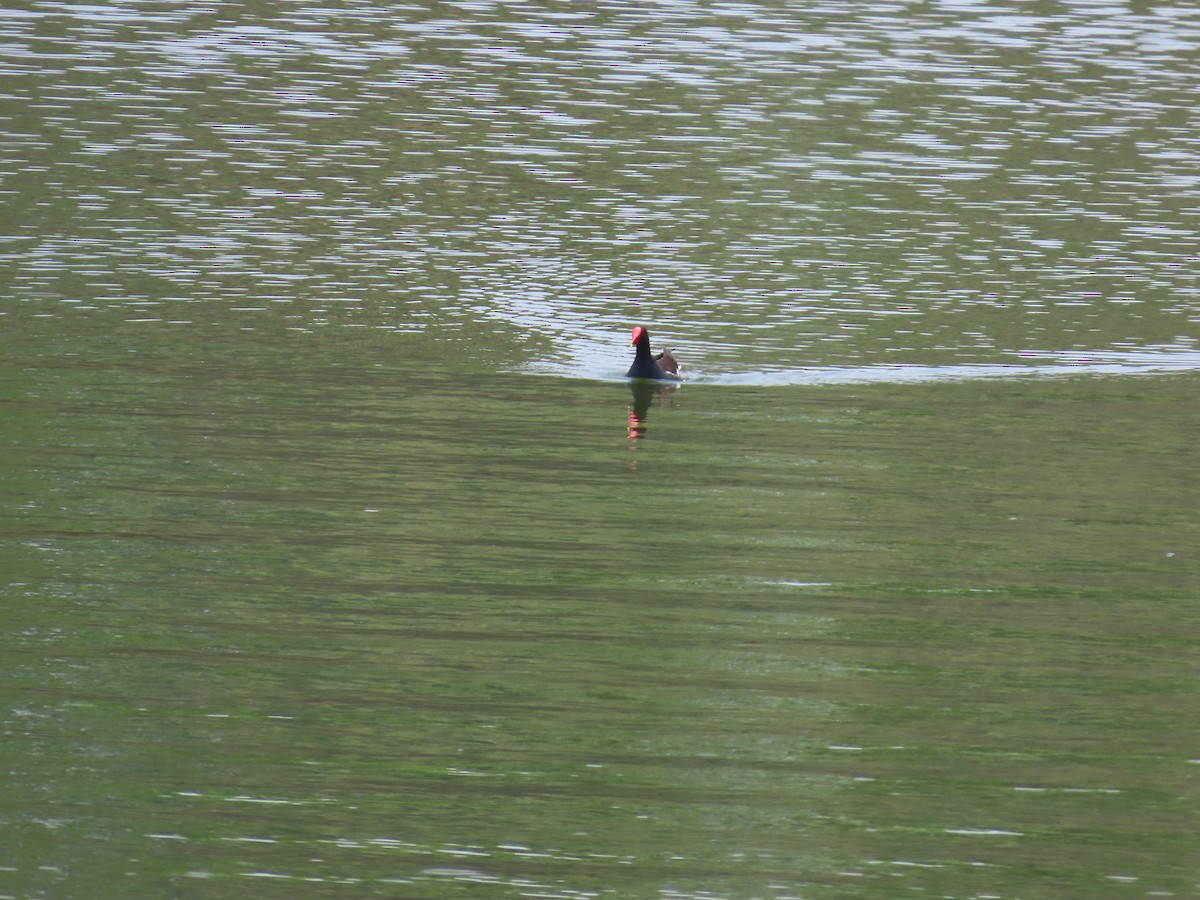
339, 560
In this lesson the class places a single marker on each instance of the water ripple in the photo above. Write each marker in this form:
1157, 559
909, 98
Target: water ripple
773, 188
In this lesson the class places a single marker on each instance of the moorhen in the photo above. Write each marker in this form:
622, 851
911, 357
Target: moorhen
662, 367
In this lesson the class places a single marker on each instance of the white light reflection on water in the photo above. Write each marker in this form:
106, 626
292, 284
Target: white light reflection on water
607, 360
1003, 180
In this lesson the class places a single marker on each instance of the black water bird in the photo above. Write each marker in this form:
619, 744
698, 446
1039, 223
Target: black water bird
662, 367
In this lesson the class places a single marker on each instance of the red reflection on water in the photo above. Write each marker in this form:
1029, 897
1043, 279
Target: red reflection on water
637, 428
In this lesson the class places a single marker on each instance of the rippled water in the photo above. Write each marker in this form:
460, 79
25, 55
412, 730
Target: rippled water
839, 184
339, 559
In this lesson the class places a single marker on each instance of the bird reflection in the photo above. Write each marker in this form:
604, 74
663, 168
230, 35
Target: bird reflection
645, 393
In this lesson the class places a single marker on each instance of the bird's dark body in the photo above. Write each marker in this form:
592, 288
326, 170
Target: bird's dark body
644, 363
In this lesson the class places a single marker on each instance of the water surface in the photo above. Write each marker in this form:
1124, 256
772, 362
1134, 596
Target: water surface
339, 559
